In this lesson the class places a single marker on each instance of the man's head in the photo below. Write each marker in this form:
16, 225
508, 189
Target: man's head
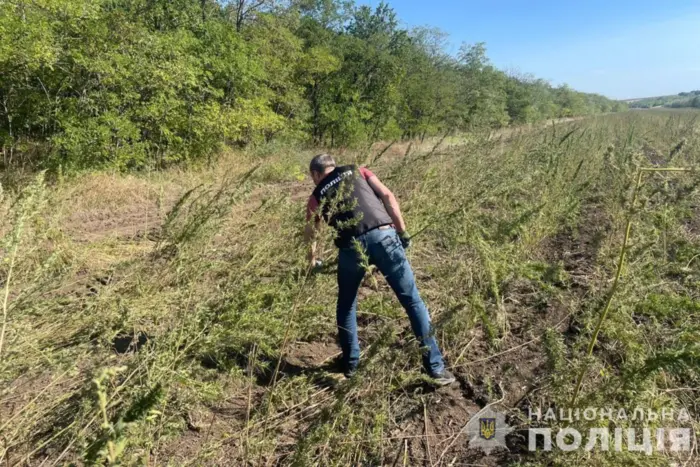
321, 166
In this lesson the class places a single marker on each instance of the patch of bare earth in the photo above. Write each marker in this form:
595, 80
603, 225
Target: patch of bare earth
311, 355
214, 434
218, 434
577, 250
435, 433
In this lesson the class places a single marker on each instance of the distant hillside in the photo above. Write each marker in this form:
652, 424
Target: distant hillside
684, 99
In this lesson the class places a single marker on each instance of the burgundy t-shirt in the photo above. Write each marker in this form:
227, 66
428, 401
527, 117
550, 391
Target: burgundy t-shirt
312, 204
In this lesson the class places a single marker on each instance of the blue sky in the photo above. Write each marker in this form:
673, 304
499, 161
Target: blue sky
619, 48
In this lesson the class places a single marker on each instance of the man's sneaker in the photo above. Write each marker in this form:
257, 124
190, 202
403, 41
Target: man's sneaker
350, 372
443, 378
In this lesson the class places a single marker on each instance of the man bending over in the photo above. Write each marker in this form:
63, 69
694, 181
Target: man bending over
366, 216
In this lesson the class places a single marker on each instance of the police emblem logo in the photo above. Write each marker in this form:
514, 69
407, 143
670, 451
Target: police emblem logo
487, 428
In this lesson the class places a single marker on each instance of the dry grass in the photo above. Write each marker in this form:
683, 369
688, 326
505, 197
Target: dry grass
148, 313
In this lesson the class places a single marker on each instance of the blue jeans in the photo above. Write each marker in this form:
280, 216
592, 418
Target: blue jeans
384, 250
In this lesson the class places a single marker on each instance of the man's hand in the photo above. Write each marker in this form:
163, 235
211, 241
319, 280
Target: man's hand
405, 239
315, 264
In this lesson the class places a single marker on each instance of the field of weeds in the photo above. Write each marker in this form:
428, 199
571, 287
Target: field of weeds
169, 318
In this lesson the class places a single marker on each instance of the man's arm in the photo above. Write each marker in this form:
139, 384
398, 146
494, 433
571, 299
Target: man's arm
312, 226
390, 202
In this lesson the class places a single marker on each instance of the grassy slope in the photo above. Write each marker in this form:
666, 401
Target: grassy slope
170, 317
658, 101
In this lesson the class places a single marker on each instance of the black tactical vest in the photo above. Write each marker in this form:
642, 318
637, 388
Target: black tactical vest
349, 204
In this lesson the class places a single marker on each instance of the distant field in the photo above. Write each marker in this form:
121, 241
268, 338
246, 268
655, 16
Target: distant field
668, 111
168, 318
682, 100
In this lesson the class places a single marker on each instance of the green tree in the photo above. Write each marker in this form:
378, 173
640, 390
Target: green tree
130, 84
483, 99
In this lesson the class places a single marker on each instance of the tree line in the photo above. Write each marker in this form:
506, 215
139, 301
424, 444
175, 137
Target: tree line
129, 84
682, 100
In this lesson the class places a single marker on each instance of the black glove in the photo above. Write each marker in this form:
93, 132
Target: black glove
405, 240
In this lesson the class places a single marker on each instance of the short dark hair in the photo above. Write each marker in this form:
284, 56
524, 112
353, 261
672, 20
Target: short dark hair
321, 162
